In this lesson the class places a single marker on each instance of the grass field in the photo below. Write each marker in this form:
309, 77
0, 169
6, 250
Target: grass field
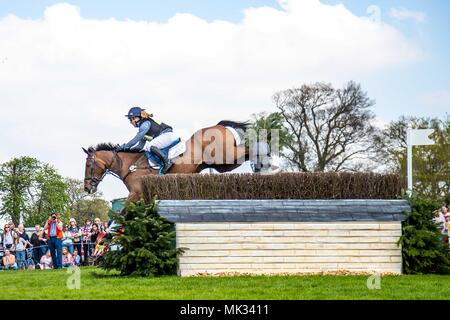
97, 284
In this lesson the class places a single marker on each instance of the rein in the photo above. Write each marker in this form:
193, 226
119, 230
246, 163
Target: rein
94, 161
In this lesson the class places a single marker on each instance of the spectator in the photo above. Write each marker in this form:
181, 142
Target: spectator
75, 258
99, 224
439, 219
66, 258
93, 234
447, 222
447, 218
9, 261
54, 229
76, 234
20, 245
8, 237
35, 242
67, 239
43, 242
1, 240
23, 234
105, 227
85, 231
46, 261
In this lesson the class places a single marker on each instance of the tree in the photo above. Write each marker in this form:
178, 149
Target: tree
268, 130
423, 250
431, 165
91, 209
49, 193
328, 128
147, 245
270, 122
76, 192
17, 178
30, 190
83, 205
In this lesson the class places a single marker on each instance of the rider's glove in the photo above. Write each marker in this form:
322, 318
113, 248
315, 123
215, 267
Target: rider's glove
119, 148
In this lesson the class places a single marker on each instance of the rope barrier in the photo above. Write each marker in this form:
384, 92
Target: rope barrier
46, 245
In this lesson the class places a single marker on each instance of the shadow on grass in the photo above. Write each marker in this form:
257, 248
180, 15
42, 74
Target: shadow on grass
106, 274
115, 274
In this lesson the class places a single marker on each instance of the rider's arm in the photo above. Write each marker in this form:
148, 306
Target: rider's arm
138, 141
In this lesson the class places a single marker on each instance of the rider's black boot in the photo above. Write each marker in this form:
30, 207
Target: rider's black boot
166, 163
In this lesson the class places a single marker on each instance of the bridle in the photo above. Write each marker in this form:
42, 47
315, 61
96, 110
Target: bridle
93, 162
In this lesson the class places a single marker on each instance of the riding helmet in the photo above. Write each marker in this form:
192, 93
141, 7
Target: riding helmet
134, 112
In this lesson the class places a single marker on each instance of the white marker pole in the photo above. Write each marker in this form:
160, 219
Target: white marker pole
416, 137
409, 160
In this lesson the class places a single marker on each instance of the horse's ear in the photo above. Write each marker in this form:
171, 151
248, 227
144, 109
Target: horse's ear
85, 151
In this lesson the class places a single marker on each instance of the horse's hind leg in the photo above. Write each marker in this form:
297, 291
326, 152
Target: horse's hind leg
260, 156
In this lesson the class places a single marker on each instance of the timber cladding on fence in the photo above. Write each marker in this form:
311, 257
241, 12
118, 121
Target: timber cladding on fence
287, 236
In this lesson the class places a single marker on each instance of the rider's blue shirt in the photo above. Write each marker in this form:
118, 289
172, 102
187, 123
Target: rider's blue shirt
138, 141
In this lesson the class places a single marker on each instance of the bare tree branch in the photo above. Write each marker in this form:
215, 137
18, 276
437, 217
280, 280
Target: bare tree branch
335, 122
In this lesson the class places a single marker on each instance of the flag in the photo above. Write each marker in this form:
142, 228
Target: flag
419, 137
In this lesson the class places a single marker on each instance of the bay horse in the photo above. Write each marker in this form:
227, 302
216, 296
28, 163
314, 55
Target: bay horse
213, 147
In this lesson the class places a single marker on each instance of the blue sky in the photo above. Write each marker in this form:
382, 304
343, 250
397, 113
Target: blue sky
139, 10
399, 89
193, 71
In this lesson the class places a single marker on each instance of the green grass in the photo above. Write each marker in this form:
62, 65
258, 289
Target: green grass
97, 284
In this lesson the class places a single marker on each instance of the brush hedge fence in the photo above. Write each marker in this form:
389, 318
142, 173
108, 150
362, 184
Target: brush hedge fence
275, 186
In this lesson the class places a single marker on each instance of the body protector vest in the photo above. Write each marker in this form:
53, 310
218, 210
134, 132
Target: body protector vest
156, 129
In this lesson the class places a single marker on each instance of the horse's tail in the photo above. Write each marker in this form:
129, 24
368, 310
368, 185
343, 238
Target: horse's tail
258, 152
239, 127
234, 124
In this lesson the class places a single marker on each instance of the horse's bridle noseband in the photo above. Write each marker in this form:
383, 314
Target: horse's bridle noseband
94, 181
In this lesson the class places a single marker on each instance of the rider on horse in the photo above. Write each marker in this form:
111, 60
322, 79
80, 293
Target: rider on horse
152, 136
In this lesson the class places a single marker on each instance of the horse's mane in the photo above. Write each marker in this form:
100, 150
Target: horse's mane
109, 147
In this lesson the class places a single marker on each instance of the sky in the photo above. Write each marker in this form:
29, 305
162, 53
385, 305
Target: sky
69, 71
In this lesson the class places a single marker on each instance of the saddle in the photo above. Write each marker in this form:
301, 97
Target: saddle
173, 150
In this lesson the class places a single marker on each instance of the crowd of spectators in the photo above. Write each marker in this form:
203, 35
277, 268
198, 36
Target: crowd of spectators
442, 217
18, 250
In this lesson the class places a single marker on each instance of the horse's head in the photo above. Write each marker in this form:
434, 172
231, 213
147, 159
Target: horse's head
95, 171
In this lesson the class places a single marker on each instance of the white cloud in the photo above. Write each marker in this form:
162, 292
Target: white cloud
405, 14
67, 81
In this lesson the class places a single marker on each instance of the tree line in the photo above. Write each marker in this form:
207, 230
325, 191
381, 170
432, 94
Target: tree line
323, 129
30, 190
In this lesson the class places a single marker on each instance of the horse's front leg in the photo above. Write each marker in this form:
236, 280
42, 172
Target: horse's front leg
134, 197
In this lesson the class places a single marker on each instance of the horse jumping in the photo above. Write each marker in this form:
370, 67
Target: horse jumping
213, 147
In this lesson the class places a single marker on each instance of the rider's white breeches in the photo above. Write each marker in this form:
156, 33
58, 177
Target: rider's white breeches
161, 141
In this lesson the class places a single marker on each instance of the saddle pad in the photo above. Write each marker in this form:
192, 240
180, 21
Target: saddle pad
177, 149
